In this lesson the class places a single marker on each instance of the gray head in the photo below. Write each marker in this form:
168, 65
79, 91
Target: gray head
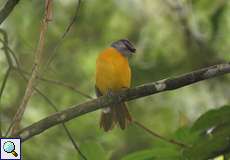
124, 46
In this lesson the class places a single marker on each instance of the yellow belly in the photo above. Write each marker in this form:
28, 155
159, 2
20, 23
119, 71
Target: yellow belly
112, 71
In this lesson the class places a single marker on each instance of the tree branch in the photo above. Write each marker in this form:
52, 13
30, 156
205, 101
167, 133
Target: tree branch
21, 73
127, 95
36, 67
10, 53
7, 9
63, 125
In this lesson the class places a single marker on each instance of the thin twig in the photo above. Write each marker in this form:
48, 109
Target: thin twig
6, 48
5, 44
11, 52
63, 124
69, 26
172, 141
61, 83
35, 70
1, 92
10, 64
78, 5
67, 85
55, 108
21, 73
7, 9
57, 82
127, 95
4, 82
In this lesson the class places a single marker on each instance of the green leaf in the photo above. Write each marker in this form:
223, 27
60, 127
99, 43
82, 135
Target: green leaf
206, 147
171, 153
140, 155
212, 118
154, 154
185, 135
93, 151
214, 135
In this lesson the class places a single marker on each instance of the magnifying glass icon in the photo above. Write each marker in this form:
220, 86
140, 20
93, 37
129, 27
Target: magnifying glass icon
9, 147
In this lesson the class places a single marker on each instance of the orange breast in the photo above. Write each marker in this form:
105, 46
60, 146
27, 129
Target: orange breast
112, 71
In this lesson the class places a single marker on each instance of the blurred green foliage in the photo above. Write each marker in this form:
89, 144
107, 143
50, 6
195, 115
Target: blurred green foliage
205, 138
213, 135
165, 47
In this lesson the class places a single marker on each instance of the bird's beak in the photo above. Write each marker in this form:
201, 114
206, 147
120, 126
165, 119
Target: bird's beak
132, 49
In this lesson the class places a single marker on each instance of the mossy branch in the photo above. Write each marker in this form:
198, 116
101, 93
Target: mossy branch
127, 95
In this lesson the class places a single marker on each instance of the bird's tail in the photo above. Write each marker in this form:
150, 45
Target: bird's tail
115, 114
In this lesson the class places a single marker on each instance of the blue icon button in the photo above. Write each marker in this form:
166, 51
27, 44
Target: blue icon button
9, 147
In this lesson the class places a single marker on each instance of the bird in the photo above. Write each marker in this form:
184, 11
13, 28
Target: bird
113, 74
